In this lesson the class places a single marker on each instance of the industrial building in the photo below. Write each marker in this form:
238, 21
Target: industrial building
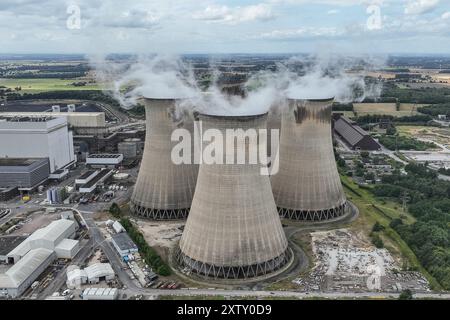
127, 149
307, 185
163, 190
353, 135
25, 174
7, 243
104, 160
33, 255
123, 244
37, 137
77, 120
92, 274
8, 193
233, 230
49, 237
98, 179
20, 276
100, 294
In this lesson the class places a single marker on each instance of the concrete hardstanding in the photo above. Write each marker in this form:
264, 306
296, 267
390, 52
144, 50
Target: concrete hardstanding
163, 189
233, 229
307, 186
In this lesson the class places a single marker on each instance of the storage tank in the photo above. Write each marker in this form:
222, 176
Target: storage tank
233, 230
163, 190
128, 149
308, 186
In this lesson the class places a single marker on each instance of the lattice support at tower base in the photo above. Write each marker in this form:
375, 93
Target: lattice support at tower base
313, 215
232, 272
159, 214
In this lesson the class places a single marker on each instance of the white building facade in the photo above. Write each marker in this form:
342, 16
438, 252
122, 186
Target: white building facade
37, 137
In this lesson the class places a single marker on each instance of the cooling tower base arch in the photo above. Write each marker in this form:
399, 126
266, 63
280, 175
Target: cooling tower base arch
249, 272
159, 214
313, 215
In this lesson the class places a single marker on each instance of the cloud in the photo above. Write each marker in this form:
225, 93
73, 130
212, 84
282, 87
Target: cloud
417, 7
301, 33
133, 19
446, 15
234, 15
333, 11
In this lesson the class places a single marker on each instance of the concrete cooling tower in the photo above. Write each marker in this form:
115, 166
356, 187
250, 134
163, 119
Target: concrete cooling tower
307, 186
233, 230
163, 190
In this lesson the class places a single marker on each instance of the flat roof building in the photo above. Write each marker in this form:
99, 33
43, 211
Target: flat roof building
37, 137
100, 294
123, 244
23, 173
105, 159
75, 119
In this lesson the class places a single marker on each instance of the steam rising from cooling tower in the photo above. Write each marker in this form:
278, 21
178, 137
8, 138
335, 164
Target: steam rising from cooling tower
307, 186
170, 76
163, 190
233, 230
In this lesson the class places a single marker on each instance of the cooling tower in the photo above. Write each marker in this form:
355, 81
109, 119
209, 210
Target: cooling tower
307, 186
163, 190
233, 230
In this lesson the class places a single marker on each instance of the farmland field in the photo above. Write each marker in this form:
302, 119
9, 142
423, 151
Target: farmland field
406, 109
42, 85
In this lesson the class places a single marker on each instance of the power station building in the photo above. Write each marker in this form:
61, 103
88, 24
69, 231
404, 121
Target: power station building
307, 185
233, 230
163, 189
23, 173
37, 137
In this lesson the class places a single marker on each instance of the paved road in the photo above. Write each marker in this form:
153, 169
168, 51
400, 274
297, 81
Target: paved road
98, 240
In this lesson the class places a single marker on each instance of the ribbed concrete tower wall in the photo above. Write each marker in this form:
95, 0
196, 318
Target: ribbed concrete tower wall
273, 123
307, 186
163, 190
233, 230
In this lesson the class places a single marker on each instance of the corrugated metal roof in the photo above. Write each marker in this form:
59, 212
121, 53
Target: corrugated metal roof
100, 291
67, 244
97, 270
51, 232
6, 281
23, 269
351, 133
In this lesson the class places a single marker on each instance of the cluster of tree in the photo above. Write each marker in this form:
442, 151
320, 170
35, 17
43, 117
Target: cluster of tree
79, 84
50, 67
429, 203
377, 118
115, 210
405, 143
148, 253
342, 106
444, 171
375, 236
50, 75
436, 110
94, 95
419, 95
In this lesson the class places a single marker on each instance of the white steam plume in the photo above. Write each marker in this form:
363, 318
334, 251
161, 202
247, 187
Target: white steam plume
163, 76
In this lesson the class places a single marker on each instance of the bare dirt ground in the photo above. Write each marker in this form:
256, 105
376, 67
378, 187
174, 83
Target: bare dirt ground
36, 221
161, 234
347, 261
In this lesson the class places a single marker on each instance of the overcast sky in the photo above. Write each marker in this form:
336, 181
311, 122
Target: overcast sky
219, 26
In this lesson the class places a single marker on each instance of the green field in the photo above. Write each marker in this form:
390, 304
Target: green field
43, 85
